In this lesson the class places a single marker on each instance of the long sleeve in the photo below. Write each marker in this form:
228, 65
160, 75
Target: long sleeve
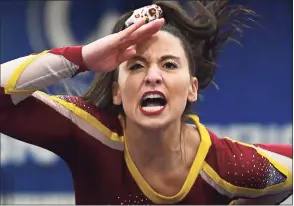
28, 114
281, 149
282, 154
250, 173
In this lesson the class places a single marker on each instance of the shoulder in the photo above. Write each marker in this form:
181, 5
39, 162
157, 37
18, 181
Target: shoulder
102, 125
100, 119
240, 169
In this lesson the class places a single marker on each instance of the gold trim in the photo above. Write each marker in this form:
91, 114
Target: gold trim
87, 117
9, 88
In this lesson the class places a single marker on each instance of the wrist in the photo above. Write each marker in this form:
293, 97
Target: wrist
73, 54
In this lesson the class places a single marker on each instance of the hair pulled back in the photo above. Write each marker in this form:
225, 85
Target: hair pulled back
203, 33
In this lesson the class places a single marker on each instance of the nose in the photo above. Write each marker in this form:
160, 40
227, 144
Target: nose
153, 76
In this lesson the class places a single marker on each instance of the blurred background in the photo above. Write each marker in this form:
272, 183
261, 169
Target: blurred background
253, 102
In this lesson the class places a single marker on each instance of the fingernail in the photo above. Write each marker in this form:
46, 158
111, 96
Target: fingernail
161, 19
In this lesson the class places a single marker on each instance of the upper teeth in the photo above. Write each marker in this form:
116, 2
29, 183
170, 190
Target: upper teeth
153, 96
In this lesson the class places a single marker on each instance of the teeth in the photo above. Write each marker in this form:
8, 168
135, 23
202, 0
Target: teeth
152, 96
152, 108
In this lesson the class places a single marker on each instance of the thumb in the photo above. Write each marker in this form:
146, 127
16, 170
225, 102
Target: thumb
125, 55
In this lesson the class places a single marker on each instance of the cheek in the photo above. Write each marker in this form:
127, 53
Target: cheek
178, 92
129, 87
180, 85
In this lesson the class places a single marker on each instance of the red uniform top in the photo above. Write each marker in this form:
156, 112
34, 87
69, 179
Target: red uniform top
92, 143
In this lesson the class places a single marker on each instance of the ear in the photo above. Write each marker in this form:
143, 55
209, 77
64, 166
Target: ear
193, 90
116, 96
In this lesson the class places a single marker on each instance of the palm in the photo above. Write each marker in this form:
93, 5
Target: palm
107, 53
109, 62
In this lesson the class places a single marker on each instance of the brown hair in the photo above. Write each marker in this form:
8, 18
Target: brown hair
215, 22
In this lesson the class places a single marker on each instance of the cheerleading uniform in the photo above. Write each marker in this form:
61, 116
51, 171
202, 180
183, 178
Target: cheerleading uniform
92, 143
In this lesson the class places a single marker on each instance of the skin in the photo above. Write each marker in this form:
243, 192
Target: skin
154, 141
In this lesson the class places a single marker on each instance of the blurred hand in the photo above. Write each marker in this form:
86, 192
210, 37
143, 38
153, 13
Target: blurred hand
107, 53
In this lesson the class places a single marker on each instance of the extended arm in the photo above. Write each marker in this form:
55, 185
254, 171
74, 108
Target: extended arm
35, 117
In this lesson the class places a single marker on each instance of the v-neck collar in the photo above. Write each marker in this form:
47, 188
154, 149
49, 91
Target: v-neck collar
205, 143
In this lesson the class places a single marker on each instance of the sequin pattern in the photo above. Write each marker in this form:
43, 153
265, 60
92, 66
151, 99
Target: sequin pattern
77, 101
254, 171
109, 120
133, 200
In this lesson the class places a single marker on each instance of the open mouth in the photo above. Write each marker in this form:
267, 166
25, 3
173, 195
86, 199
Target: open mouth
153, 102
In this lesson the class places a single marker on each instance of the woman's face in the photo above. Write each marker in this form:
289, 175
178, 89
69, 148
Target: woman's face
154, 86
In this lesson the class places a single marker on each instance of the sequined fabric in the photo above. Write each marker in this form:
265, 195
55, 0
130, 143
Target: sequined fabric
253, 172
243, 166
110, 120
77, 101
133, 200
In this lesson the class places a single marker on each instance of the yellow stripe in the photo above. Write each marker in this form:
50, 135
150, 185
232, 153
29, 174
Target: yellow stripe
236, 190
87, 117
11, 83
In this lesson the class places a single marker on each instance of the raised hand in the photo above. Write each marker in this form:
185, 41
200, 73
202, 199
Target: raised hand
107, 53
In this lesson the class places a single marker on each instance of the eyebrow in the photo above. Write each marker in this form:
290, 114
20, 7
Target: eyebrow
138, 58
163, 58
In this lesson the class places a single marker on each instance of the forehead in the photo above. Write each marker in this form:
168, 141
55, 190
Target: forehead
161, 43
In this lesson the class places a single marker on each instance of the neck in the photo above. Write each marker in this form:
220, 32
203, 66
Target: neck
156, 148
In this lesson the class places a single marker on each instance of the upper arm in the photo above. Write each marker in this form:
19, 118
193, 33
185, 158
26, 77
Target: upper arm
281, 149
37, 120
51, 121
247, 171
32, 116
283, 155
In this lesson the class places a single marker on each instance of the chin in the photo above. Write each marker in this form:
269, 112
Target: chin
153, 123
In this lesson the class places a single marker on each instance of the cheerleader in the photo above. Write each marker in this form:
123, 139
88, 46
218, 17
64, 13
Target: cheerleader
126, 141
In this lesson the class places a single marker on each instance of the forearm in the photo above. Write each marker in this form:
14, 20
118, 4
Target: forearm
23, 76
36, 118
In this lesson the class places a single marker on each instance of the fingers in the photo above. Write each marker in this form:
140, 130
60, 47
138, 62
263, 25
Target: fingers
142, 33
147, 29
125, 55
130, 43
128, 31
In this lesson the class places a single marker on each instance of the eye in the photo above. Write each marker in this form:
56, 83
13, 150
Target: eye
136, 66
170, 65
